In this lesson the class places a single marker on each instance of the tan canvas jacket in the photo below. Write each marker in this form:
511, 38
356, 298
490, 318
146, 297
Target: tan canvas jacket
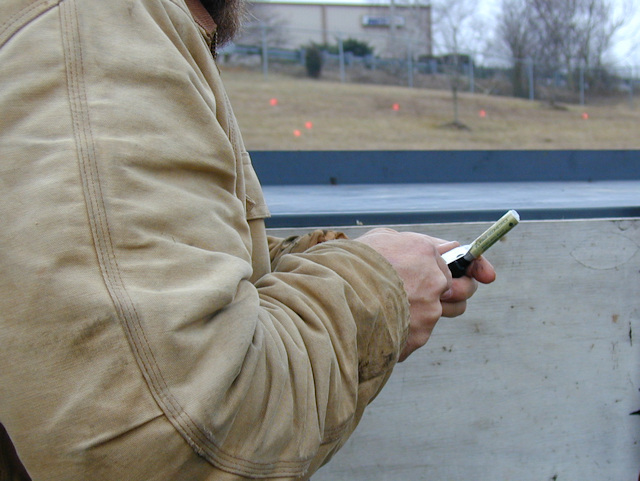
144, 332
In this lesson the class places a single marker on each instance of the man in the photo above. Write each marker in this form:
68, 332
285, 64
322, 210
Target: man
149, 329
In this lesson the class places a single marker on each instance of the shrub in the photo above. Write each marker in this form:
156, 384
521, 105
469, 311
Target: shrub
313, 61
357, 47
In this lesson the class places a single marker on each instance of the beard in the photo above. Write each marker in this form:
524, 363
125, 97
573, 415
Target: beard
228, 15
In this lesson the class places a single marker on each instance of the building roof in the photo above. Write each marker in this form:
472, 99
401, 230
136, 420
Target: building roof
350, 3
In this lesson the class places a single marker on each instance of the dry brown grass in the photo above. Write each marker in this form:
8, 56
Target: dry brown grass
361, 117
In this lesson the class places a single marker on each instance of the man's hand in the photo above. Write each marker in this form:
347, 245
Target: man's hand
432, 291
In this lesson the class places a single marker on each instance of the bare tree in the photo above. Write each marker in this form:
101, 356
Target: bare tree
598, 28
560, 35
514, 31
452, 20
263, 24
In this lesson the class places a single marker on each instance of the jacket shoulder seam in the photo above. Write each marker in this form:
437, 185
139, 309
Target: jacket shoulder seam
23, 17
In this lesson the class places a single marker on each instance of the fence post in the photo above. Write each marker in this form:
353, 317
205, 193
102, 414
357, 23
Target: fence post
530, 71
410, 63
265, 52
581, 82
341, 58
631, 82
472, 80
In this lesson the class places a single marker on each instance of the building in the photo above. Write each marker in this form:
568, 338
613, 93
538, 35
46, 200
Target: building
390, 28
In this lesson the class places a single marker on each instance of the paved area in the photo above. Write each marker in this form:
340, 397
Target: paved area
314, 205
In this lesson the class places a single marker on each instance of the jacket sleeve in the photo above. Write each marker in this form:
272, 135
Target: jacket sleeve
299, 243
342, 271
128, 255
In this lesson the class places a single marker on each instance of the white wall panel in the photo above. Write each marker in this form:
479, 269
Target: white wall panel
535, 382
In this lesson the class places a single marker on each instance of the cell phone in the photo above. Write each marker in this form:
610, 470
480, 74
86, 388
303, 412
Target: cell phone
460, 258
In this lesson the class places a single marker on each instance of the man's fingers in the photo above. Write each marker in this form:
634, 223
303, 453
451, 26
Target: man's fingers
447, 246
453, 309
461, 289
454, 301
482, 270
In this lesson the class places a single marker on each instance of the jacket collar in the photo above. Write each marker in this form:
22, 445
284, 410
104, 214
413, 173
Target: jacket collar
201, 16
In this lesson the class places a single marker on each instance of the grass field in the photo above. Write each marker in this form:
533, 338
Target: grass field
362, 117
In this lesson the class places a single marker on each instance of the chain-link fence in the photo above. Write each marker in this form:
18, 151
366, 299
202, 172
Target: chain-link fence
466, 72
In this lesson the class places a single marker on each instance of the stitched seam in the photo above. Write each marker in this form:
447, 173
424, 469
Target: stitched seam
336, 432
101, 234
96, 213
23, 17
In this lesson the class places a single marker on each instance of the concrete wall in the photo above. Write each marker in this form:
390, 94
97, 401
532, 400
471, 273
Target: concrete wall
535, 382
